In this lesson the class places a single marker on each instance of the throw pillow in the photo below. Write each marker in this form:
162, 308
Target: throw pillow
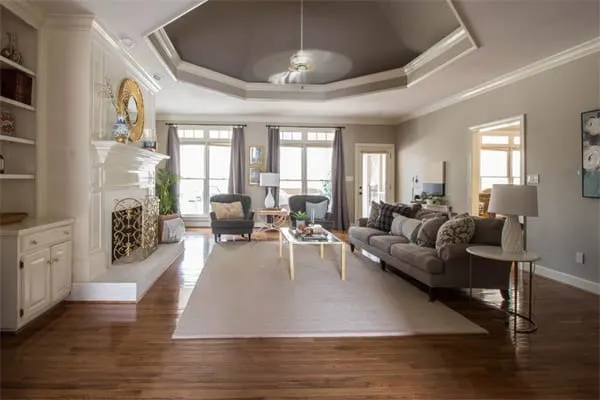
373, 214
386, 215
396, 228
428, 232
317, 210
410, 227
457, 230
172, 230
228, 210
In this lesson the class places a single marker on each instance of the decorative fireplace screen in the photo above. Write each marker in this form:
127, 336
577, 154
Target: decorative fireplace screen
134, 229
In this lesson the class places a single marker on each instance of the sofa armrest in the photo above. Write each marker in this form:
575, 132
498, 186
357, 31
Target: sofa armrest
328, 216
454, 252
213, 216
250, 215
362, 221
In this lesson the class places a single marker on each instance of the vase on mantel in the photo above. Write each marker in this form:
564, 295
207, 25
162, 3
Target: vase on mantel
120, 129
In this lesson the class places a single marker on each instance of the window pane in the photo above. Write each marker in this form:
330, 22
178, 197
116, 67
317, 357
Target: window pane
220, 134
219, 161
486, 182
192, 161
218, 186
516, 163
190, 196
290, 164
494, 163
517, 140
493, 139
319, 188
287, 189
318, 163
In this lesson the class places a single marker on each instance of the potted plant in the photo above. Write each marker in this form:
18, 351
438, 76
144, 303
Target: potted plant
167, 207
301, 217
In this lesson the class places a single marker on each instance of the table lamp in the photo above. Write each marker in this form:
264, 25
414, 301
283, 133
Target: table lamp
513, 201
269, 180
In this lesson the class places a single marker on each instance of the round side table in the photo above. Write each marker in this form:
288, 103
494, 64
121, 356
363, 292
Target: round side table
496, 253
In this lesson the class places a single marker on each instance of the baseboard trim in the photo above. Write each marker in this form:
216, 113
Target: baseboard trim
567, 279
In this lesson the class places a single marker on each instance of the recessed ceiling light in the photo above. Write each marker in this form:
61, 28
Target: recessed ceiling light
128, 42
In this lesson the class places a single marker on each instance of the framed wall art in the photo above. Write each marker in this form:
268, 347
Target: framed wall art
254, 176
590, 153
257, 156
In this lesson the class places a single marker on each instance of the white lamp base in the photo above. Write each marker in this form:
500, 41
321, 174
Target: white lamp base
269, 200
512, 237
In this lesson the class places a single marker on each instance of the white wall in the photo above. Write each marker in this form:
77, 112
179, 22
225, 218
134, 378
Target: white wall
256, 134
552, 102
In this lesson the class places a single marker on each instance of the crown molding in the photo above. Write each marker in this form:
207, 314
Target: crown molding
172, 18
272, 119
69, 22
436, 50
26, 10
140, 73
556, 60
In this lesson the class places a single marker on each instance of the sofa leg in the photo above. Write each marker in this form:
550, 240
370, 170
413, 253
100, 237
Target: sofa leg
432, 294
351, 248
505, 293
216, 238
383, 265
249, 237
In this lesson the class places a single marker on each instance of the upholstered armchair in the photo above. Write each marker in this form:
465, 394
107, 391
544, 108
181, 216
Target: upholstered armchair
298, 203
238, 226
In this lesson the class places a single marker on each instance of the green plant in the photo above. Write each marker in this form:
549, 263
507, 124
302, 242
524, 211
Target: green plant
164, 184
300, 216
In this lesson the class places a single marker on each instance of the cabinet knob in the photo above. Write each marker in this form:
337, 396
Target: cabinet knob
55, 260
34, 242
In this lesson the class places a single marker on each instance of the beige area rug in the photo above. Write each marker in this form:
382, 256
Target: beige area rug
245, 291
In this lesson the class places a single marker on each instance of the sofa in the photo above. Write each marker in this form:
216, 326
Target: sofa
447, 267
238, 226
298, 203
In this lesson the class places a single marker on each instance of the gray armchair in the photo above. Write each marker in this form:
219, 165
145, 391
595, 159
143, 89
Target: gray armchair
242, 227
298, 203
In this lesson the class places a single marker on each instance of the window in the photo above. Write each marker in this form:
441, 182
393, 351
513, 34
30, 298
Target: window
204, 167
305, 163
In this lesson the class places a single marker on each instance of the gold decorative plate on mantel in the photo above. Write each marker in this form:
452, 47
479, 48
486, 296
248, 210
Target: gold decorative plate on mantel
131, 104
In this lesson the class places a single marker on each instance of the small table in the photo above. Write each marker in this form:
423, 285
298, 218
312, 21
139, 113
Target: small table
496, 253
330, 240
271, 219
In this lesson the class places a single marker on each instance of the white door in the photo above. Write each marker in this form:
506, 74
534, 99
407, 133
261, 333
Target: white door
374, 179
61, 270
35, 282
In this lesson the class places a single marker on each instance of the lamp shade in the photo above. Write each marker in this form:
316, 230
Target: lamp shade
517, 200
269, 179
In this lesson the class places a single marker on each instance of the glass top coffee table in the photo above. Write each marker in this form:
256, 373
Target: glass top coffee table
329, 239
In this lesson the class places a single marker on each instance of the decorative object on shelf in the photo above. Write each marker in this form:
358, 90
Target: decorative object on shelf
301, 217
254, 176
269, 180
590, 157
120, 129
16, 85
2, 164
131, 104
257, 156
7, 124
10, 51
12, 218
513, 201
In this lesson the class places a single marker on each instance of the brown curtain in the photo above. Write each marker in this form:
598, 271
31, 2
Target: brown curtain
273, 157
173, 165
237, 163
339, 200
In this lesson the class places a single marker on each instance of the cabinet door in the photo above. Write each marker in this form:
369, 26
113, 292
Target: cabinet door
60, 270
35, 282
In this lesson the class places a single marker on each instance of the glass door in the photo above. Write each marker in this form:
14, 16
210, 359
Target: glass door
374, 176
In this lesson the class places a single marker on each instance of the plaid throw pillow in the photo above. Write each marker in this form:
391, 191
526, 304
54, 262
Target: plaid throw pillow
373, 214
386, 215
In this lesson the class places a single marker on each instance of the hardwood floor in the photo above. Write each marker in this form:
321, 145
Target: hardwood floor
112, 351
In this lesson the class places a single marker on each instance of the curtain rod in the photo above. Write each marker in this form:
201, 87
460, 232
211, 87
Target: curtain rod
304, 126
201, 124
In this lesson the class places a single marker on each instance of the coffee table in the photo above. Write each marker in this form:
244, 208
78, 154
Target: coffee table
330, 240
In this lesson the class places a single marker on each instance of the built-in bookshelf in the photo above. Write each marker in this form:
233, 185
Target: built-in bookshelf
19, 150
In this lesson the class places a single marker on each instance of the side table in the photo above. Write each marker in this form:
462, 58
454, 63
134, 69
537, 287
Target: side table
496, 253
270, 219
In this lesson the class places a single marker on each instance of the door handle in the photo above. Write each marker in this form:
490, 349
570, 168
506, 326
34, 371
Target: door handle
360, 190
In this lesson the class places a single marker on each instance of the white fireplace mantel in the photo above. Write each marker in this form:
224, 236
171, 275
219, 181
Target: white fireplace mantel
129, 157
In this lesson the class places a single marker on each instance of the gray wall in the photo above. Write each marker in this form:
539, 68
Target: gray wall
552, 102
256, 134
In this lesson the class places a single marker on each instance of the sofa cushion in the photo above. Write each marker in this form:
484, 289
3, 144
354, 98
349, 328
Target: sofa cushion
396, 228
232, 224
373, 214
424, 213
456, 230
428, 231
384, 243
410, 228
386, 215
424, 258
488, 231
363, 233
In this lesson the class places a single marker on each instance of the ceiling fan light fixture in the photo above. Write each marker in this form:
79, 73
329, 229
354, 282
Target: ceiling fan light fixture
300, 62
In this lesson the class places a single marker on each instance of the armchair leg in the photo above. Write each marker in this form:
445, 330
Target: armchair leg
249, 237
216, 238
351, 248
432, 294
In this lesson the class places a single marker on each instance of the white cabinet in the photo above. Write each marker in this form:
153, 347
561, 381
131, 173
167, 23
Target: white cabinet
36, 269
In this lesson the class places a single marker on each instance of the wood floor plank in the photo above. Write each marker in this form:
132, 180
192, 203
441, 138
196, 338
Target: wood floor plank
113, 351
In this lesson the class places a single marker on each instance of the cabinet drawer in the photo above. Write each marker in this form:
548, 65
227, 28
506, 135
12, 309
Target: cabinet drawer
45, 238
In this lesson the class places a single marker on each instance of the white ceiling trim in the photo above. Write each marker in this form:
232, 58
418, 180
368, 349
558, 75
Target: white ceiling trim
120, 51
564, 57
446, 51
268, 118
26, 10
170, 19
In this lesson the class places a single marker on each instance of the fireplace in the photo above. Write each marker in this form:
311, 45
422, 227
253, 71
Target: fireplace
134, 229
